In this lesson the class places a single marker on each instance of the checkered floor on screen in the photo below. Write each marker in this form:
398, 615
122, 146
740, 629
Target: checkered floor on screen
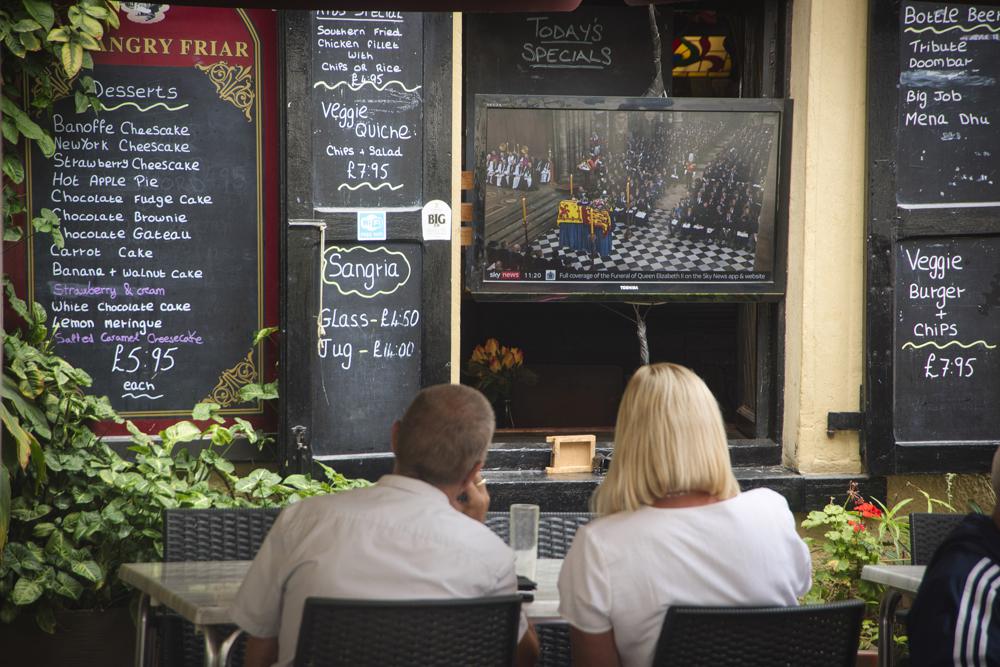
651, 248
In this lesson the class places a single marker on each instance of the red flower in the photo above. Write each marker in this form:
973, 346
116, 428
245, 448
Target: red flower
868, 511
856, 525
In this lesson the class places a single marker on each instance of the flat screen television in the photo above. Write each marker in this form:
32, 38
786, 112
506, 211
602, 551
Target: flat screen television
629, 198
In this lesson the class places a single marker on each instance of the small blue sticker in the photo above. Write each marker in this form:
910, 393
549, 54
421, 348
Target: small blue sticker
371, 225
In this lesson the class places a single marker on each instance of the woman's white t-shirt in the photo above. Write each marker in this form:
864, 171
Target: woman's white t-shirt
625, 569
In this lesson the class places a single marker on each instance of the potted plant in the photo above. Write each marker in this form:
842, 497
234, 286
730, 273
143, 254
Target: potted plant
856, 533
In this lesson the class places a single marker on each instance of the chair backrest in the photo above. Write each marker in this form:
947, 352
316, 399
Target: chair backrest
499, 523
480, 631
824, 635
554, 641
207, 534
215, 534
927, 532
555, 530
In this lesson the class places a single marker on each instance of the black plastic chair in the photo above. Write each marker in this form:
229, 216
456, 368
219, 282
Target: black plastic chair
555, 530
927, 532
553, 639
824, 635
499, 523
555, 535
200, 535
432, 633
215, 534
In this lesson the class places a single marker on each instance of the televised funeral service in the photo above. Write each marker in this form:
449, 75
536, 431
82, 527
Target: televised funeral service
629, 195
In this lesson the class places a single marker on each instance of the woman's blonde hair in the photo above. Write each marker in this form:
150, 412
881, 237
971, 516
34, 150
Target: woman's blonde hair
669, 438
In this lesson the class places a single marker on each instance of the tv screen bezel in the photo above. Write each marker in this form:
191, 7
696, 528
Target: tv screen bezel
763, 290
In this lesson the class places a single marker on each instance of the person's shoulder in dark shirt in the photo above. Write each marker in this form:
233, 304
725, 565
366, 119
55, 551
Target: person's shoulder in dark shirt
954, 619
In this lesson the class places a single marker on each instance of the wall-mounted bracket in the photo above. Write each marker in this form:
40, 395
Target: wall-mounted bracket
301, 457
843, 421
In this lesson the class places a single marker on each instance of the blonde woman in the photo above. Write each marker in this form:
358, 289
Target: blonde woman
674, 528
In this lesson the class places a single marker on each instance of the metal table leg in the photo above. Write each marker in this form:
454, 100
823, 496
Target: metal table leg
886, 614
213, 641
141, 630
227, 646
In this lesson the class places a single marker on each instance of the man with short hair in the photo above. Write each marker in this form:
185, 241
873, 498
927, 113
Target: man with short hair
955, 619
417, 534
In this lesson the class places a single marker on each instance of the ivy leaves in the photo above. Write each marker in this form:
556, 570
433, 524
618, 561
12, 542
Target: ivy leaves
36, 26
17, 123
31, 572
83, 33
23, 34
41, 11
68, 541
50, 45
26, 591
48, 222
260, 391
264, 334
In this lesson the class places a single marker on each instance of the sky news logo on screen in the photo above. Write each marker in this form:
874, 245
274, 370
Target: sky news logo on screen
504, 275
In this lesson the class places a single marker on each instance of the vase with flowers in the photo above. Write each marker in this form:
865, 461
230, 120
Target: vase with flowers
495, 369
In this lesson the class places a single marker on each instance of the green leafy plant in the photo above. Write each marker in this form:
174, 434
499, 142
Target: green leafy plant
97, 510
76, 509
48, 45
72, 510
260, 391
44, 404
858, 533
848, 545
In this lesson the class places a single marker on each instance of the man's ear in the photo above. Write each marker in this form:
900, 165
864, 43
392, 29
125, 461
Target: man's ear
473, 473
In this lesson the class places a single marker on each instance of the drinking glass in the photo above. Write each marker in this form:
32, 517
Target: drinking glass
524, 538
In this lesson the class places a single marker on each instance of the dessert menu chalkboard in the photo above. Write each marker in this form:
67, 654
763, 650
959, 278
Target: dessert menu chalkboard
948, 151
367, 81
157, 292
947, 364
368, 346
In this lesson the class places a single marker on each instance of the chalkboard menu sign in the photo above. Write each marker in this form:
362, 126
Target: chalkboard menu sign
369, 308
948, 150
158, 290
591, 51
947, 363
932, 278
367, 80
369, 344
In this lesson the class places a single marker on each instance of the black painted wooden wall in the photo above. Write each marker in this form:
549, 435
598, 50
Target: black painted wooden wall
900, 387
301, 375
